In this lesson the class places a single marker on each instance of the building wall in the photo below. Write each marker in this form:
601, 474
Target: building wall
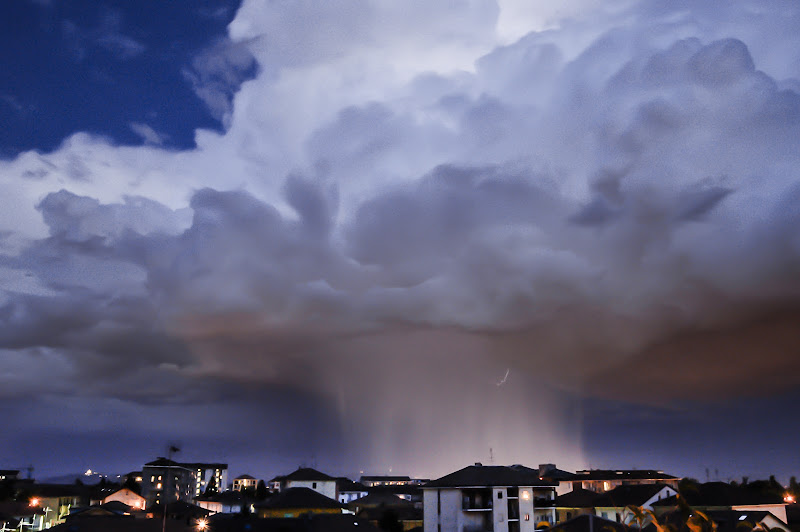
128, 497
177, 482
565, 514
778, 510
347, 496
510, 510
243, 483
325, 487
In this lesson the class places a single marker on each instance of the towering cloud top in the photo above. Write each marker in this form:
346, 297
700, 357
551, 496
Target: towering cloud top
428, 190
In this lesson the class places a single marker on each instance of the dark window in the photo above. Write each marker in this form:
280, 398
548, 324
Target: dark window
314, 485
499, 494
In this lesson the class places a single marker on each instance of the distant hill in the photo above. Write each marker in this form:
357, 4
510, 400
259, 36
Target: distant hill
87, 479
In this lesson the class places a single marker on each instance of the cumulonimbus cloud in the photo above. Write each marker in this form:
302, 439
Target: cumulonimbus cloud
588, 201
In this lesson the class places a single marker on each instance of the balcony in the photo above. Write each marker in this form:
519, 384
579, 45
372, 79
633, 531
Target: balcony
476, 500
541, 502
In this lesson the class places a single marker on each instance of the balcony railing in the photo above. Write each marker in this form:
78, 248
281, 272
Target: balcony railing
476, 500
473, 505
541, 502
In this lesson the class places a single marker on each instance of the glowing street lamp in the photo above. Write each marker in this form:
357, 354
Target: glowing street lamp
202, 524
35, 502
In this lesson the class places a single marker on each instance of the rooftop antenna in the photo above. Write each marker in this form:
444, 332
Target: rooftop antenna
491, 456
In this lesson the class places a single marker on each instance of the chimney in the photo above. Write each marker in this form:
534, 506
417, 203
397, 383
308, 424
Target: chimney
478, 464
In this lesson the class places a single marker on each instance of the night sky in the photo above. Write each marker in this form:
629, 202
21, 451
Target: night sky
401, 236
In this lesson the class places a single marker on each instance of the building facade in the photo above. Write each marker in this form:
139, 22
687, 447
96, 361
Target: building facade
489, 498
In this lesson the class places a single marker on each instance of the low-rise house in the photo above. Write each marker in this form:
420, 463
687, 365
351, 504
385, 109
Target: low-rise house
128, 497
489, 498
296, 502
551, 473
600, 480
409, 492
725, 521
177, 511
382, 508
714, 496
613, 505
19, 515
306, 477
277, 483
243, 482
372, 481
58, 500
591, 523
348, 490
227, 502
574, 503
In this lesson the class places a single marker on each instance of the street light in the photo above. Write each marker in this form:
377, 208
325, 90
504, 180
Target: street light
202, 524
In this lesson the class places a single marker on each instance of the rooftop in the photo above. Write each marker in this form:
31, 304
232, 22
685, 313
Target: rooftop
479, 475
299, 498
307, 473
621, 474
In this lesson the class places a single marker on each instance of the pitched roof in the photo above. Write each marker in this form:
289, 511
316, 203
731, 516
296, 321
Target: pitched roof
590, 523
479, 475
636, 494
379, 499
299, 498
726, 520
722, 494
163, 462
621, 474
345, 484
307, 473
554, 473
577, 498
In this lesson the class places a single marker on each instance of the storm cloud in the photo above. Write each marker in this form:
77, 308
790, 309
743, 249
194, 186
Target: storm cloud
407, 203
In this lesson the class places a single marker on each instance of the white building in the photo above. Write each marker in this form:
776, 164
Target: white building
306, 477
489, 498
349, 491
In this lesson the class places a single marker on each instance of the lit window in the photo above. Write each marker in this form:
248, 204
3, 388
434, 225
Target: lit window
158, 486
527, 517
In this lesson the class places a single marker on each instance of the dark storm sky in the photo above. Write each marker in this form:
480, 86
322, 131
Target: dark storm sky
323, 233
